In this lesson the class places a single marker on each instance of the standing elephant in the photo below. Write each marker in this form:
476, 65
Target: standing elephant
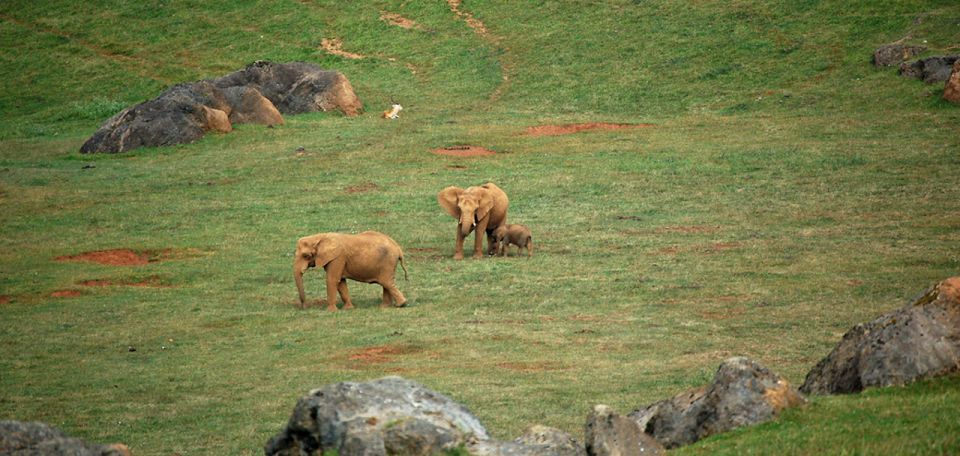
368, 257
482, 208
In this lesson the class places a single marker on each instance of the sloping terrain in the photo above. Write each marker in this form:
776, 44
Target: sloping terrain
786, 191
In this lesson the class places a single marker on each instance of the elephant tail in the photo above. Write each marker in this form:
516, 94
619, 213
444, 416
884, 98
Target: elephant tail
404, 267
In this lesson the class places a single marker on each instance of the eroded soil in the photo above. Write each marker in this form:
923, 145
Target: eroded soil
567, 129
464, 151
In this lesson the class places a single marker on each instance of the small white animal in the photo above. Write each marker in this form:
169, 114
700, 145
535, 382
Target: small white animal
393, 113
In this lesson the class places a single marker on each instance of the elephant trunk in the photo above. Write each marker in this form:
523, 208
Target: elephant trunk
467, 223
298, 277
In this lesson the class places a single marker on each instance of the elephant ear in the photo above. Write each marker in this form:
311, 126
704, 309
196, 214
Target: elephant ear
486, 203
448, 200
328, 247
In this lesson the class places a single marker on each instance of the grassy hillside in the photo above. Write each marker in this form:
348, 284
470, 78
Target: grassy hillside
788, 191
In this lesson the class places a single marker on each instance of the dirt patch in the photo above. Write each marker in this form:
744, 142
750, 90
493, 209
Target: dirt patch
542, 366
694, 229
478, 27
398, 20
555, 130
464, 151
361, 188
65, 294
150, 282
721, 246
4, 299
335, 46
115, 257
381, 353
669, 251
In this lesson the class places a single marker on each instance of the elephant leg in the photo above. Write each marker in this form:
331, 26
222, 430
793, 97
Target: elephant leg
458, 252
481, 229
492, 244
389, 287
334, 275
344, 294
387, 299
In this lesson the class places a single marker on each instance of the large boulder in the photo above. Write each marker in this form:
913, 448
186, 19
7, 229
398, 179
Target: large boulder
894, 53
536, 440
951, 92
248, 105
743, 393
930, 69
40, 439
297, 87
389, 416
610, 434
175, 117
919, 340
257, 94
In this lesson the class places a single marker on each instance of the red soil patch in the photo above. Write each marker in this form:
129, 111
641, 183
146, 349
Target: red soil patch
149, 282
530, 367
464, 151
4, 299
361, 188
116, 257
688, 229
65, 294
335, 46
398, 20
380, 353
554, 130
854, 282
719, 246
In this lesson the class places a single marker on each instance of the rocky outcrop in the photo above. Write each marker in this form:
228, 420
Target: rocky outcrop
536, 440
930, 69
39, 439
388, 416
297, 87
175, 117
743, 393
919, 340
257, 94
951, 92
894, 53
610, 434
248, 105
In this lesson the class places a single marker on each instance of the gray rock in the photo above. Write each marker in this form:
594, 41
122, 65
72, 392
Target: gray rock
297, 87
894, 53
536, 440
388, 416
742, 393
929, 70
256, 94
917, 341
610, 434
174, 117
40, 439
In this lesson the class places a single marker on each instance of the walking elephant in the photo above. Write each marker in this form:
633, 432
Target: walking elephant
482, 208
368, 257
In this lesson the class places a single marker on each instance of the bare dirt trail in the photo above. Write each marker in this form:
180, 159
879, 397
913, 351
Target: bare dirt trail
506, 66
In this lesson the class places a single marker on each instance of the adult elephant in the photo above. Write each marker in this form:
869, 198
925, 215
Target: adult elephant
482, 208
368, 257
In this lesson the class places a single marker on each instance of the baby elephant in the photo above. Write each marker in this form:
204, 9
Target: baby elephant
518, 235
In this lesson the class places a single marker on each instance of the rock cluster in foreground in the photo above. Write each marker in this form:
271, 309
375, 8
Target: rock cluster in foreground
36, 439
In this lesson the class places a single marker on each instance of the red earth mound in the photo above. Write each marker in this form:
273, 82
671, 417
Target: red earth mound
464, 151
65, 294
4, 299
116, 257
554, 130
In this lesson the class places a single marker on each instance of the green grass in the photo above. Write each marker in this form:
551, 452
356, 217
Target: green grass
789, 191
